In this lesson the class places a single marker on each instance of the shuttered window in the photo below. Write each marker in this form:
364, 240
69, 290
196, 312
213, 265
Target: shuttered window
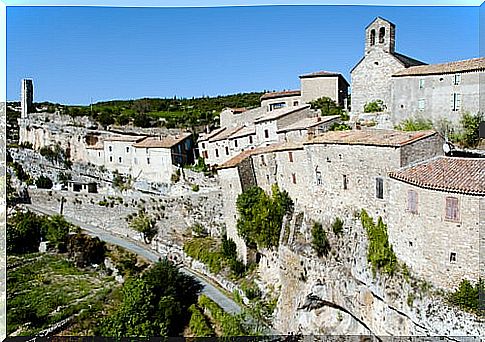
379, 188
413, 201
452, 211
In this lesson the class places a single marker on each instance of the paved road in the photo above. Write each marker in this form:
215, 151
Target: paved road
209, 290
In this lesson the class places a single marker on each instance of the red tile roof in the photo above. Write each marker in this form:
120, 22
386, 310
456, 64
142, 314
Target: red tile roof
374, 137
475, 64
449, 174
277, 94
161, 142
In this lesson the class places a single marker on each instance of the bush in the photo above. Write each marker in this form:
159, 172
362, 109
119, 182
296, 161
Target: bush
467, 296
145, 225
374, 106
44, 182
86, 250
198, 324
319, 240
338, 226
24, 233
261, 215
339, 127
470, 124
380, 253
328, 107
175, 176
195, 187
418, 124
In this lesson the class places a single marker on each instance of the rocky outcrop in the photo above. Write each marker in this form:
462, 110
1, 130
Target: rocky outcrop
339, 295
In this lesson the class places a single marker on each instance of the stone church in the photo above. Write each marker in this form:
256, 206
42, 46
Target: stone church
371, 77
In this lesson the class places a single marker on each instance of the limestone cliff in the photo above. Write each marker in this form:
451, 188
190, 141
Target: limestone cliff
338, 294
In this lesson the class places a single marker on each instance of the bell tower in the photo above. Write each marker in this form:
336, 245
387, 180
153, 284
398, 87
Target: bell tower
380, 34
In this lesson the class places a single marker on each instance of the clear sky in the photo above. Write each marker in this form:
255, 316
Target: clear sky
78, 53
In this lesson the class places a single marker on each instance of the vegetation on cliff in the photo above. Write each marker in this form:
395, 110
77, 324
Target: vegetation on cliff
261, 215
380, 253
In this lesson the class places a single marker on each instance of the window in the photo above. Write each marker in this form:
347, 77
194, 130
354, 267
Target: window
148, 160
203, 145
452, 212
250, 139
110, 148
345, 182
99, 154
266, 133
204, 154
262, 160
135, 160
452, 257
457, 79
217, 153
455, 102
382, 33
421, 83
277, 105
227, 151
293, 176
379, 188
318, 176
146, 150
110, 159
290, 156
127, 150
267, 178
295, 103
235, 143
421, 103
119, 160
372, 37
413, 201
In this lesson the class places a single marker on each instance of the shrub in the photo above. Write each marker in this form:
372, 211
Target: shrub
86, 250
470, 124
374, 106
145, 225
44, 182
175, 176
467, 296
338, 226
195, 187
380, 253
261, 215
198, 323
319, 240
199, 230
418, 124
339, 127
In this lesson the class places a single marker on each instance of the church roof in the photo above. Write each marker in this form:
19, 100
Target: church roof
278, 94
450, 174
406, 60
474, 64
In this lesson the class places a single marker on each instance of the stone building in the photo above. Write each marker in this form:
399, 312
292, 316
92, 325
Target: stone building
371, 76
436, 218
281, 99
118, 152
438, 91
321, 175
323, 83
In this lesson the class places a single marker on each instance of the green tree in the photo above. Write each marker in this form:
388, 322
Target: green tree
261, 215
470, 124
327, 106
145, 225
86, 250
24, 233
374, 106
57, 230
467, 295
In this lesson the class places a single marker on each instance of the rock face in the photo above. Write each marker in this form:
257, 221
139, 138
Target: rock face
338, 294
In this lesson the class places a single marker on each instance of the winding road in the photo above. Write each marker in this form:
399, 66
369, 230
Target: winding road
209, 290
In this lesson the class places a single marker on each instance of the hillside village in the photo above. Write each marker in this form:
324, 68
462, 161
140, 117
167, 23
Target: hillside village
412, 197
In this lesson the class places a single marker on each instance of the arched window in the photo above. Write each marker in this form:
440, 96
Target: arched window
372, 37
382, 33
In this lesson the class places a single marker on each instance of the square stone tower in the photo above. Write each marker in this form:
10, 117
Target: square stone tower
26, 97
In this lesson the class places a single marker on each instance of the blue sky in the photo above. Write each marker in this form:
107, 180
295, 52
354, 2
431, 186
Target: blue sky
78, 53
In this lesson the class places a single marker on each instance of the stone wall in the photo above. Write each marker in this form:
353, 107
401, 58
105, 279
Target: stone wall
289, 101
229, 119
422, 149
313, 88
371, 79
425, 240
436, 93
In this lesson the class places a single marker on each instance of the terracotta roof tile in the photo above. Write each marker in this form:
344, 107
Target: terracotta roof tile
277, 94
308, 122
226, 133
475, 64
161, 142
126, 138
375, 137
207, 136
450, 174
234, 161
